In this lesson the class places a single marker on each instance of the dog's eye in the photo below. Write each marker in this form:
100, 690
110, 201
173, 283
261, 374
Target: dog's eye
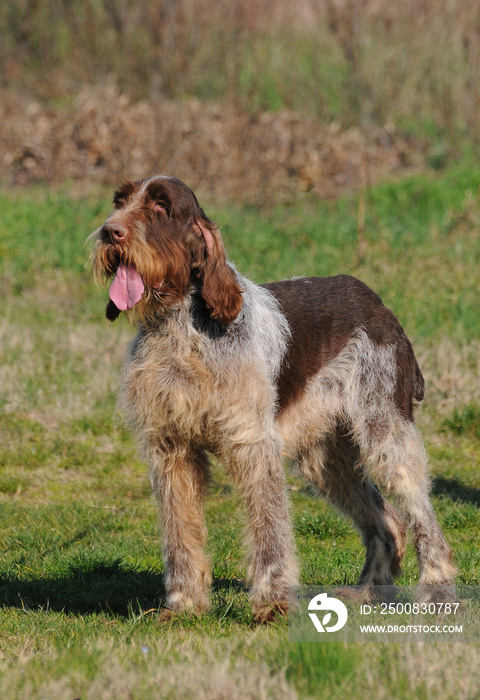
160, 206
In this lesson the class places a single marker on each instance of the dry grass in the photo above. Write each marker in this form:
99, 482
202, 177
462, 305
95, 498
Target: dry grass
239, 670
216, 673
430, 671
58, 371
451, 373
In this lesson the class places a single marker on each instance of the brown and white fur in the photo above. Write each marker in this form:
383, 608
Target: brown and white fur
317, 369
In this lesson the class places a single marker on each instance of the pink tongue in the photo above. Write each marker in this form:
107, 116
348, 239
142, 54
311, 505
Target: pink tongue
127, 288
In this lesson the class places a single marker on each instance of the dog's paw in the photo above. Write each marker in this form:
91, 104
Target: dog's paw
166, 615
426, 593
268, 612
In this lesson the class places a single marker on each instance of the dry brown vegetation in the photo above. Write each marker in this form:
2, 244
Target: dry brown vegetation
103, 137
245, 99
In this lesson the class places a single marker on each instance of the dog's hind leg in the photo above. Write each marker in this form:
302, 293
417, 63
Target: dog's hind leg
395, 458
333, 468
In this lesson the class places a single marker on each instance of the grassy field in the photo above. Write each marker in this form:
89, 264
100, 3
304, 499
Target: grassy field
80, 567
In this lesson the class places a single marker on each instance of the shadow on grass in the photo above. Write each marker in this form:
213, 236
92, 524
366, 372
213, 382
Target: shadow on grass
108, 588
456, 491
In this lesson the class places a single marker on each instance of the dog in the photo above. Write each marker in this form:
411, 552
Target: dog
314, 368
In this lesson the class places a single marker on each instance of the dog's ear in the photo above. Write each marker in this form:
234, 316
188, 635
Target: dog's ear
220, 288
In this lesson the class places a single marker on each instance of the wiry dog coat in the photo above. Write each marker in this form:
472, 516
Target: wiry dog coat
316, 368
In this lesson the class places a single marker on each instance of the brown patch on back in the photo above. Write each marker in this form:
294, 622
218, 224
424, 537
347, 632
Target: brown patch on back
323, 314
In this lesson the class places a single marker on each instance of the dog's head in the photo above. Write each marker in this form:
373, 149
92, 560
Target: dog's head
158, 245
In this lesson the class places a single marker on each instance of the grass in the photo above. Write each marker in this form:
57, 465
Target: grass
80, 570
465, 421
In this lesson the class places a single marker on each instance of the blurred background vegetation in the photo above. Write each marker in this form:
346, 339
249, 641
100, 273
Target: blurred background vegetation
355, 61
405, 75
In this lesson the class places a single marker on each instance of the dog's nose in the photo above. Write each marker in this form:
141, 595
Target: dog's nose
114, 231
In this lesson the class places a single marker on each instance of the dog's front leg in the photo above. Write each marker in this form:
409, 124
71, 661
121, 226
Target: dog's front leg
179, 480
258, 470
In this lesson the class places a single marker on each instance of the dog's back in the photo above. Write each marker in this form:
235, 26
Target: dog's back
324, 314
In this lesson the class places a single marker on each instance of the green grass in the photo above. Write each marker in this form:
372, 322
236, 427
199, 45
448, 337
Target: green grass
80, 569
465, 421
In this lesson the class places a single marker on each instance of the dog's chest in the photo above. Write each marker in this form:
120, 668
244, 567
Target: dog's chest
166, 379
178, 387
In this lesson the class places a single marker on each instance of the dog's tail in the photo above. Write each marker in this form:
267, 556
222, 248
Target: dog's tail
418, 384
